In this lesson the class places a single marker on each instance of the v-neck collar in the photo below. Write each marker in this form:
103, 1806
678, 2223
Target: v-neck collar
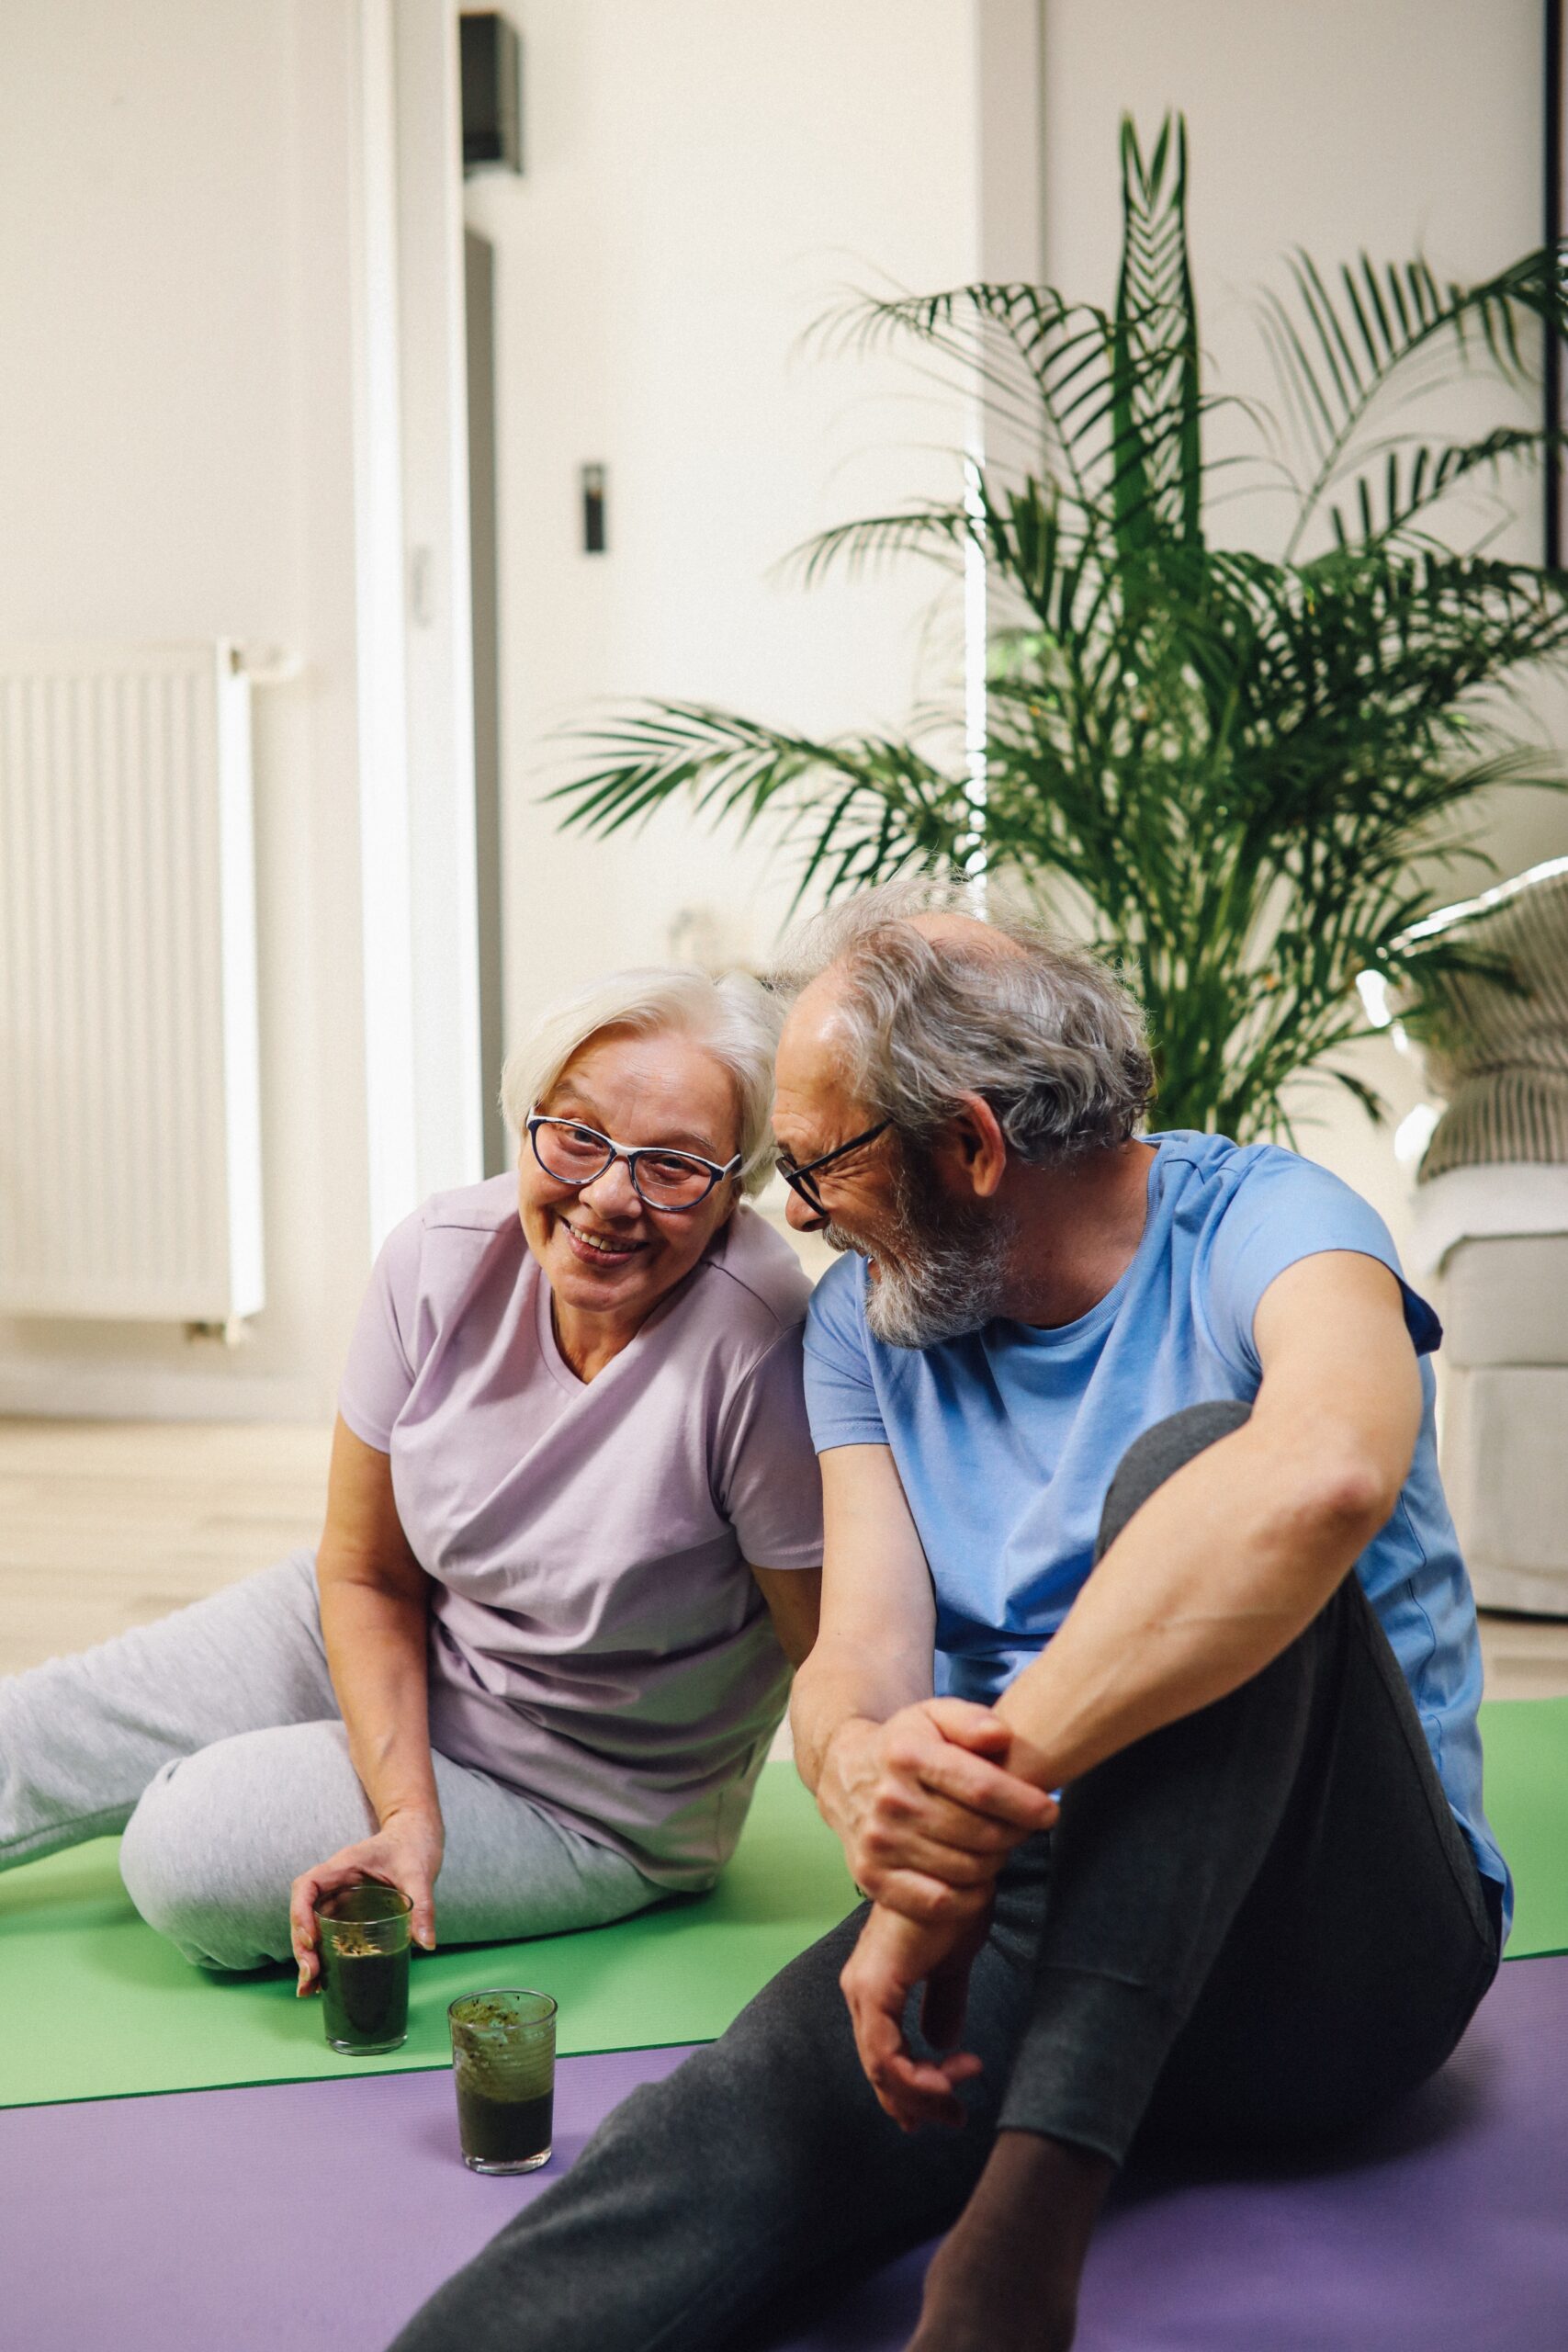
556, 1365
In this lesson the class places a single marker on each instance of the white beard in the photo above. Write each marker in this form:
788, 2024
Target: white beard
949, 1276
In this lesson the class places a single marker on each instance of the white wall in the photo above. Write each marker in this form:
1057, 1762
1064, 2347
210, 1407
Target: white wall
1392, 124
186, 378
177, 370
176, 462
702, 181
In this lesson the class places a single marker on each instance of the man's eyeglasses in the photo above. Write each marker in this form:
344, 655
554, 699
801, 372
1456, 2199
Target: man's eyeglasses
574, 1154
803, 1181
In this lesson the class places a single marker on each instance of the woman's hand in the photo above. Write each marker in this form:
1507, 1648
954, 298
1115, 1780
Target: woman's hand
405, 1852
893, 1956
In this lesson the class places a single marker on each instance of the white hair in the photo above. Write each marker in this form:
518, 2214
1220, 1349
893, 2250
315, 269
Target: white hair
1048, 1036
733, 1016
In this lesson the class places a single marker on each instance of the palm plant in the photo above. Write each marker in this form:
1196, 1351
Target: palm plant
1233, 771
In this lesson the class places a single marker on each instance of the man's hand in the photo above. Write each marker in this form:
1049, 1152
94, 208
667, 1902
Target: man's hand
925, 1807
405, 1852
893, 1956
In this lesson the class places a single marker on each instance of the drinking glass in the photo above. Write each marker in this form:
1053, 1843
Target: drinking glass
362, 1936
503, 2064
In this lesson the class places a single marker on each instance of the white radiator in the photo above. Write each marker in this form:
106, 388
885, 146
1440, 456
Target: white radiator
129, 1119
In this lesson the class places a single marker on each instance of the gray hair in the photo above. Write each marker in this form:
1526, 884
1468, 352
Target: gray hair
1048, 1036
733, 1016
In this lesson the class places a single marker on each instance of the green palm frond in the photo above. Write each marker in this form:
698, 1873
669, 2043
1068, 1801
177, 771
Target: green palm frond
1341, 352
1158, 475
937, 531
1237, 773
875, 805
1415, 475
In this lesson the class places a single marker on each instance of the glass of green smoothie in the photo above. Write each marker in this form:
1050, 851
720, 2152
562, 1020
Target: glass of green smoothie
362, 1934
503, 2063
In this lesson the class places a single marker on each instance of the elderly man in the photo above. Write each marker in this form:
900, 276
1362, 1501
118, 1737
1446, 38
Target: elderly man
1143, 1703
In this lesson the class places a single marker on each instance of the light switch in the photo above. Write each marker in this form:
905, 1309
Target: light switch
593, 540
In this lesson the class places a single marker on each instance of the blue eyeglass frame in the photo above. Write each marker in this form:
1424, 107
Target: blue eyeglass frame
631, 1154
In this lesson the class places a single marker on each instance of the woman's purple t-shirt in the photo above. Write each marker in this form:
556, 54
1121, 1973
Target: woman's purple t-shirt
597, 1642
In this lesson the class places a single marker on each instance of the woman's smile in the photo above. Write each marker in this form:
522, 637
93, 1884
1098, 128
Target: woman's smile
600, 1251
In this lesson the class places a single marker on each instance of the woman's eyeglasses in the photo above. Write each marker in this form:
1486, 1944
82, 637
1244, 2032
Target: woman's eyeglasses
574, 1154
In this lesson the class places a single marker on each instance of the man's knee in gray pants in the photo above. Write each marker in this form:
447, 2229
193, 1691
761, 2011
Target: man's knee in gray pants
1158, 1454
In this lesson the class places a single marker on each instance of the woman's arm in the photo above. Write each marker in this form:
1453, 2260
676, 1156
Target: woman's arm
375, 1613
795, 1603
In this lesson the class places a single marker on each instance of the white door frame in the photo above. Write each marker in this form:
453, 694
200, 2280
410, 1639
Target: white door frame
423, 1084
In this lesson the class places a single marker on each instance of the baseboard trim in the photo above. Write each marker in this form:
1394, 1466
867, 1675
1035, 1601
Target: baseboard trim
113, 1393
1531, 1593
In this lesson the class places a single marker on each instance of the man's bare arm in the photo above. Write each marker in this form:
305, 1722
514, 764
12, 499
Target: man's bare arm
873, 1652
1232, 1557
1217, 1573
905, 1778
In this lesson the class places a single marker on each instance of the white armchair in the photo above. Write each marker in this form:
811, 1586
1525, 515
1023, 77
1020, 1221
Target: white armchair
1504, 1302
1492, 1220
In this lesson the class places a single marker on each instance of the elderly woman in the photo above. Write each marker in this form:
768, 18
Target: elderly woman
572, 1544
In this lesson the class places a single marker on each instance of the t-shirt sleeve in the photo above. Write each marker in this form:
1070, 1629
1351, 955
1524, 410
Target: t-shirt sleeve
1284, 1210
840, 1395
380, 1368
768, 1483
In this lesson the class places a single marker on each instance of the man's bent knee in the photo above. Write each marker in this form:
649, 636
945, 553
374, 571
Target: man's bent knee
1158, 1453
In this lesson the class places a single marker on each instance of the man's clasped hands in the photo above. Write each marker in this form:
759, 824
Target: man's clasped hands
928, 1811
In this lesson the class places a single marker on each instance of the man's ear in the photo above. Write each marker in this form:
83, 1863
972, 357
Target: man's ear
971, 1153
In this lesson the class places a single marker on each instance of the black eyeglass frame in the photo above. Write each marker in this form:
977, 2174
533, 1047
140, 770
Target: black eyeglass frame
800, 1180
631, 1154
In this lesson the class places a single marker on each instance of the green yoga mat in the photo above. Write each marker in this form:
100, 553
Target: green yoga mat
1525, 1742
93, 2005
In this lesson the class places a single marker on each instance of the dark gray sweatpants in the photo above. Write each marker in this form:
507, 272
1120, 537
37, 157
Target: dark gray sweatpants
1258, 1926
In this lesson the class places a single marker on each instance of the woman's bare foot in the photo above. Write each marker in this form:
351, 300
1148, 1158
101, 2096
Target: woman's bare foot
1006, 2279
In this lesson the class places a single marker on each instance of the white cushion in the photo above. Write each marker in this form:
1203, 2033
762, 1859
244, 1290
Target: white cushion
1505, 1461
1505, 1301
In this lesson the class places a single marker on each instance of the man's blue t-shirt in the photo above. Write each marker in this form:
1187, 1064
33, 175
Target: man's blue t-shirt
1005, 1440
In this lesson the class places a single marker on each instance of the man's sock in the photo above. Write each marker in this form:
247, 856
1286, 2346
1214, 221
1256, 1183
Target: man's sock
1007, 2277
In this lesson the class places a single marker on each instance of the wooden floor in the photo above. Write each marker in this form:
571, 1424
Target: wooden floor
109, 1524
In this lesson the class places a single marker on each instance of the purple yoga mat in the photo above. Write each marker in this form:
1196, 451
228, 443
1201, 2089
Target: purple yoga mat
1445, 2230
318, 2213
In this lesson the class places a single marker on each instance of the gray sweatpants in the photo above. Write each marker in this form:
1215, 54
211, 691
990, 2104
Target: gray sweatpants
213, 1740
